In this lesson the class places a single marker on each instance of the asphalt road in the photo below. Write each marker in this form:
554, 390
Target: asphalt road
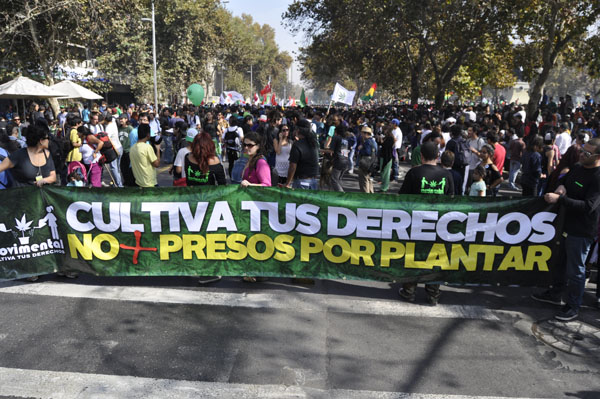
168, 337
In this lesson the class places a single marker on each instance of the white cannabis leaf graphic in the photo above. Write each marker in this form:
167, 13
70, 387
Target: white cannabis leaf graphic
23, 225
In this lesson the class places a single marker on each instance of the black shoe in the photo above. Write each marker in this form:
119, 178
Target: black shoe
208, 279
567, 314
406, 295
548, 297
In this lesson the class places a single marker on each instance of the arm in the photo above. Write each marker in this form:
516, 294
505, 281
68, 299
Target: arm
499, 180
95, 141
291, 172
276, 146
6, 164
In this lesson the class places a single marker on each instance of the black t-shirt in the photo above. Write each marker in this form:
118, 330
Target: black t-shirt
582, 202
24, 172
306, 158
340, 148
428, 179
210, 128
195, 177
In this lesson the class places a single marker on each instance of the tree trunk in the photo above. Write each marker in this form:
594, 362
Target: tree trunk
53, 101
440, 94
535, 94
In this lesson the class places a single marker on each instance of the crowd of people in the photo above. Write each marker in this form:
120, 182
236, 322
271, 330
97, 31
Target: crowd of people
458, 150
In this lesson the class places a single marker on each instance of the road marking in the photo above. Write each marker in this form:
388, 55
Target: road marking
63, 385
291, 301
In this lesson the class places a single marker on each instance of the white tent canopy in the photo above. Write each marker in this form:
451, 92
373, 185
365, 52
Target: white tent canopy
73, 90
23, 87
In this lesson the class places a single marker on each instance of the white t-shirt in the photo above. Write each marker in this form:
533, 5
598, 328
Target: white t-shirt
563, 142
87, 153
397, 138
180, 159
112, 131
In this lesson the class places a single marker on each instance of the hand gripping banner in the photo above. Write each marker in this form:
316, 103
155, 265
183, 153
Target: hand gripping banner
256, 231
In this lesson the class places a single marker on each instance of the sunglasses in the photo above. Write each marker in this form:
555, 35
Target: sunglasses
285, 130
249, 145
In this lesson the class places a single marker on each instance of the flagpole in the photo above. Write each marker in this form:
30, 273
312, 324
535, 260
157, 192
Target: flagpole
330, 102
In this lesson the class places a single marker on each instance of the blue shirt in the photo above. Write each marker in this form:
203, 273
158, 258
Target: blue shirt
369, 147
3, 177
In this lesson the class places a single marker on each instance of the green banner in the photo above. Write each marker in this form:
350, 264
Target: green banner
257, 231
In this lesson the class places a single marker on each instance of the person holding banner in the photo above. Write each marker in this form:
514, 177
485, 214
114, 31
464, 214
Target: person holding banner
257, 171
579, 196
427, 178
303, 171
202, 167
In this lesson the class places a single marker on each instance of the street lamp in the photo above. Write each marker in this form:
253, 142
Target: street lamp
154, 55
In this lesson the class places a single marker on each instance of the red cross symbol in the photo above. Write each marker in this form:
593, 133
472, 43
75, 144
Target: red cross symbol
136, 250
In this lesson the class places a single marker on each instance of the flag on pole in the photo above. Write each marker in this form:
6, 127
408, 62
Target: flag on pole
273, 100
302, 101
291, 102
342, 95
266, 90
256, 98
369, 95
230, 97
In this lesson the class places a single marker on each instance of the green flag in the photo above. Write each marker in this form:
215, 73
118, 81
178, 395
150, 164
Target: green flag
302, 101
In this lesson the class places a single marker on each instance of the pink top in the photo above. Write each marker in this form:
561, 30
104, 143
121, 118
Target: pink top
260, 175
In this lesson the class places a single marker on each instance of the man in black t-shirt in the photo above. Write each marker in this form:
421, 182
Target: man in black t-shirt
427, 178
579, 195
303, 171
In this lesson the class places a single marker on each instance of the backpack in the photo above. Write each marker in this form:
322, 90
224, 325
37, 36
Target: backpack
107, 151
462, 152
59, 149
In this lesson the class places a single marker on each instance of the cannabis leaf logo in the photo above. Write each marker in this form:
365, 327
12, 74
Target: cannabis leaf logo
23, 225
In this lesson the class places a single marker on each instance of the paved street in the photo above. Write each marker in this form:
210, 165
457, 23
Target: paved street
168, 337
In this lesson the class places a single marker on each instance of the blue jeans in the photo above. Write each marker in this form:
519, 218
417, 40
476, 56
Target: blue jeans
515, 166
306, 184
115, 169
168, 154
576, 251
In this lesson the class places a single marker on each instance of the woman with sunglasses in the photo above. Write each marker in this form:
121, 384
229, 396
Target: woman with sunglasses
257, 171
282, 145
32, 165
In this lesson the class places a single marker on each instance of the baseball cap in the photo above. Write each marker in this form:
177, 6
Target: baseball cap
263, 118
395, 121
191, 134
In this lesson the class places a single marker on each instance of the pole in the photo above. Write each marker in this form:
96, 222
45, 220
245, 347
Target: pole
154, 59
251, 82
222, 79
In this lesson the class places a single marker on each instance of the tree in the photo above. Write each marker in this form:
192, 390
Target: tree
38, 36
547, 29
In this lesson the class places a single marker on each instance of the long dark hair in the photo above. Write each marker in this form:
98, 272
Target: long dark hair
258, 139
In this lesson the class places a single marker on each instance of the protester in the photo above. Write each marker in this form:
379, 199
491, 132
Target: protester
367, 158
233, 142
90, 154
427, 178
340, 151
202, 167
32, 165
579, 197
478, 188
386, 158
493, 177
143, 159
179, 163
532, 167
448, 161
516, 147
282, 146
257, 171
112, 131
303, 171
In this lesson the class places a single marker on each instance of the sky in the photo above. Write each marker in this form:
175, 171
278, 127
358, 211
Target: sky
269, 12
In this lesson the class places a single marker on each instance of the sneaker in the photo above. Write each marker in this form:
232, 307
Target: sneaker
33, 278
208, 279
548, 297
406, 295
567, 314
